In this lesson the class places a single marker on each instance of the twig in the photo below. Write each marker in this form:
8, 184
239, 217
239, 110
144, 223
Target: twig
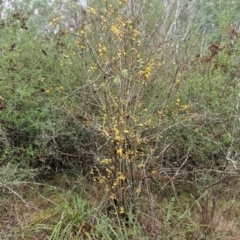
15, 193
183, 162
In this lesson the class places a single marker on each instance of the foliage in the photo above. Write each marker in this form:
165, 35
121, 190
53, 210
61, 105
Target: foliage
33, 126
130, 93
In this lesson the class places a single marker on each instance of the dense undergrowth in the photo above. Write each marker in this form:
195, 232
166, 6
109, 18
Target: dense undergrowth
119, 121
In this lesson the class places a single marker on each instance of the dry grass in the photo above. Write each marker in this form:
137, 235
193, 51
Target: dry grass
159, 217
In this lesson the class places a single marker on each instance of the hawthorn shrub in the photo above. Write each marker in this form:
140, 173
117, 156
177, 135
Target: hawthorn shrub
157, 106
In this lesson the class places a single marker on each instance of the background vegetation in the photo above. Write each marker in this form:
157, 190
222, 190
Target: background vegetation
119, 119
